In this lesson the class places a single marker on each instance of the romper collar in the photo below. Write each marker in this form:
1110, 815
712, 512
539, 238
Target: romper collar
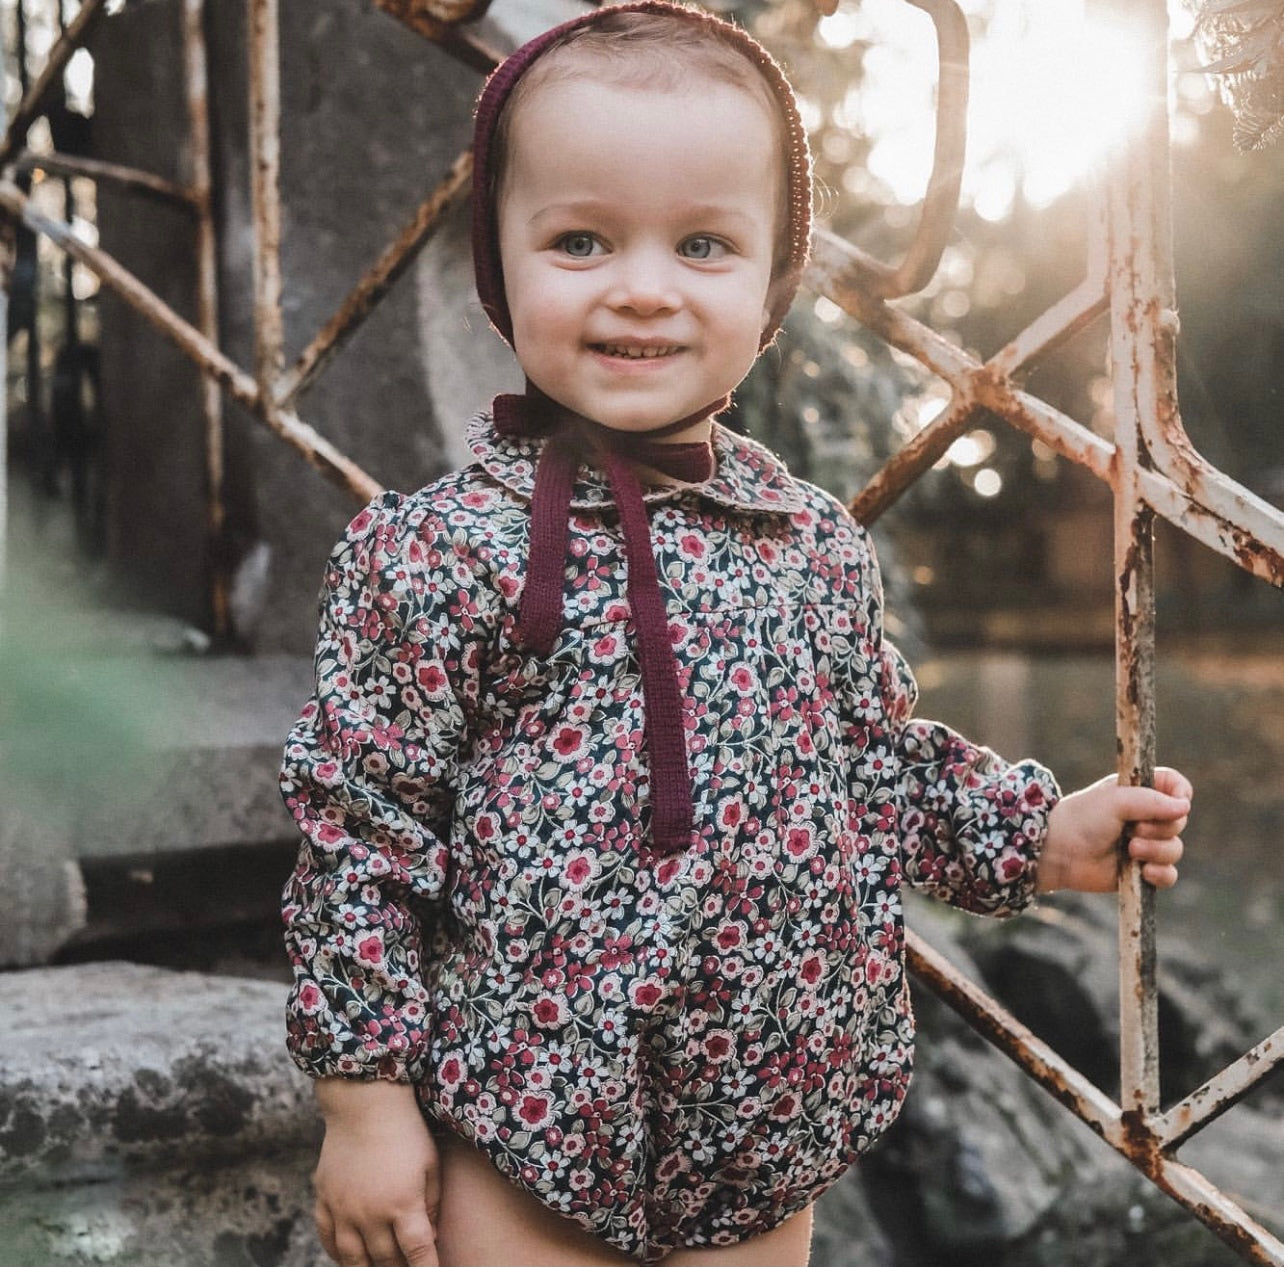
748, 476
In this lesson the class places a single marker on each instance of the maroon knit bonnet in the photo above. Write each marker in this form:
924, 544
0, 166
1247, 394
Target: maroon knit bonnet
572, 440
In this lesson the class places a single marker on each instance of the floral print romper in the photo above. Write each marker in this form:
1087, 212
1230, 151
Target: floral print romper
675, 1050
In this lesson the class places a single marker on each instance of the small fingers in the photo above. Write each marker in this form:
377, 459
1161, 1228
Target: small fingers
417, 1241
383, 1248
1173, 783
1159, 859
350, 1247
1149, 807
1159, 877
1159, 829
325, 1230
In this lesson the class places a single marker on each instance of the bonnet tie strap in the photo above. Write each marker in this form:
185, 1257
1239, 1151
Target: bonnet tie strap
571, 441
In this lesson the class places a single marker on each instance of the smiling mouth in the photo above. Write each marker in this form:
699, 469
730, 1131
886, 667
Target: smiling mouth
636, 352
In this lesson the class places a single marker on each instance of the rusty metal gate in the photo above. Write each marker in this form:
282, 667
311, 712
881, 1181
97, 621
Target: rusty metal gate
1151, 467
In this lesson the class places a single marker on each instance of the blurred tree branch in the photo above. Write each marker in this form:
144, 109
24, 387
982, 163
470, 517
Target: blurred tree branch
1244, 40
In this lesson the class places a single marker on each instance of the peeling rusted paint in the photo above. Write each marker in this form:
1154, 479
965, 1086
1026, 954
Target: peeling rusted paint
1222, 1092
107, 173
446, 33
196, 91
365, 296
265, 188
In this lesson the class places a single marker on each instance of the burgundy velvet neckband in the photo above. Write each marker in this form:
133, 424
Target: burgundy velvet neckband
571, 440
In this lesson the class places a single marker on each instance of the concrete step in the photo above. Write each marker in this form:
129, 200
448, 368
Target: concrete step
123, 763
150, 1118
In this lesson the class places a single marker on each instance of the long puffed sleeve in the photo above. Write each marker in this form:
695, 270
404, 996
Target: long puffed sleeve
972, 826
368, 776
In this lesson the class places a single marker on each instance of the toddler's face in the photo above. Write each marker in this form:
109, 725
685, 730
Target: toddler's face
636, 233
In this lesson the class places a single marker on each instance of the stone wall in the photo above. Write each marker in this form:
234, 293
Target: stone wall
372, 117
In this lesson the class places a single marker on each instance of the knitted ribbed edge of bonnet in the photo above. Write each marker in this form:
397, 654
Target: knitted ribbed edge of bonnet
487, 267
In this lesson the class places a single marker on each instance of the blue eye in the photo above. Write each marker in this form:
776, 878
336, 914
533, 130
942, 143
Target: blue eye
578, 246
702, 247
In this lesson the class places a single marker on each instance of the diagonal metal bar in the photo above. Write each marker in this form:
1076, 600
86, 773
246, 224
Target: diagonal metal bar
1217, 531
918, 454
33, 102
1020, 1044
1064, 1083
464, 46
318, 451
1060, 322
1207, 1202
106, 173
830, 274
365, 296
1071, 313
1221, 1092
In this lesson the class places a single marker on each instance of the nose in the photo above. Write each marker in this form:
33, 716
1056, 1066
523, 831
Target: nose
644, 282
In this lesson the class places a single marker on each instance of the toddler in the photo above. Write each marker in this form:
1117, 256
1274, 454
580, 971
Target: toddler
611, 781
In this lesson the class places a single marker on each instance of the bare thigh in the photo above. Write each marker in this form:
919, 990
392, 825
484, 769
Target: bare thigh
485, 1221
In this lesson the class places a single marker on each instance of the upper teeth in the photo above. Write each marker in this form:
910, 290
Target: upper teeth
618, 349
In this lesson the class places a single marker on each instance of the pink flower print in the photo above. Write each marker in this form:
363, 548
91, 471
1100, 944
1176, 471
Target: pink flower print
786, 1107
692, 546
798, 842
667, 871
387, 736
579, 868
811, 969
606, 647
645, 994
718, 1045
1011, 865
431, 678
311, 1000
730, 936
328, 834
549, 1011
568, 742
742, 679
369, 950
731, 815
534, 1110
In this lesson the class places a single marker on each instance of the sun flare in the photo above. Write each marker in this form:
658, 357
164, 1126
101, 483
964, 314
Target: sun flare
1051, 88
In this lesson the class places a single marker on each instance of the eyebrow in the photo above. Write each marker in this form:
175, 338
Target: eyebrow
593, 206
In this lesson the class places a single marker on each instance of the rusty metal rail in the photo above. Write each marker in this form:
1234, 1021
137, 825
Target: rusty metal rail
1152, 469
1151, 466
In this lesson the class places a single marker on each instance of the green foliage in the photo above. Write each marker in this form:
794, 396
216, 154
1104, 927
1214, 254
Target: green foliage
72, 719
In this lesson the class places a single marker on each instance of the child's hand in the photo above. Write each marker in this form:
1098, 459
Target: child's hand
377, 1184
1084, 829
